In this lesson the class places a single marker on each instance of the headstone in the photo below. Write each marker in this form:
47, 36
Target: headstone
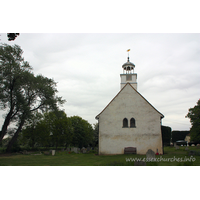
88, 149
177, 147
25, 152
46, 152
130, 150
68, 149
53, 152
140, 163
83, 150
150, 154
75, 150
186, 148
175, 144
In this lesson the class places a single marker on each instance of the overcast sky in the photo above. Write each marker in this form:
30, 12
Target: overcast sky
87, 69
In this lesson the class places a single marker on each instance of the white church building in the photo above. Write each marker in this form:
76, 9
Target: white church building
129, 120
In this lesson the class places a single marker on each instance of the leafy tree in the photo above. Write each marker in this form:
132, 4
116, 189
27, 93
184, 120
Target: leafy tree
12, 71
52, 129
31, 132
166, 135
22, 93
83, 132
194, 115
12, 36
60, 128
96, 134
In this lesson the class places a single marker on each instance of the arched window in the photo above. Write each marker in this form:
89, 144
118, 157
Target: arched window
125, 122
132, 122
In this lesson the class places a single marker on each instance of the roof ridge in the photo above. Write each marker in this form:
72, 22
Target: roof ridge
162, 116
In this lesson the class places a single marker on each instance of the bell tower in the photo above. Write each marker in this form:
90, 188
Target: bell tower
128, 75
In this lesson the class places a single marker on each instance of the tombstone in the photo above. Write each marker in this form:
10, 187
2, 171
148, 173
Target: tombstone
53, 152
83, 150
88, 149
46, 152
25, 152
130, 150
175, 144
186, 148
68, 149
140, 163
75, 150
150, 154
177, 147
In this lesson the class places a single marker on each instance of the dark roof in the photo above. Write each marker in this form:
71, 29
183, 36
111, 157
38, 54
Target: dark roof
162, 116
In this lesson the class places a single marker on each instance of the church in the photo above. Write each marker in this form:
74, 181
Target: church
129, 120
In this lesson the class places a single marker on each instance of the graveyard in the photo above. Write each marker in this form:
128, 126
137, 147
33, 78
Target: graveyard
173, 156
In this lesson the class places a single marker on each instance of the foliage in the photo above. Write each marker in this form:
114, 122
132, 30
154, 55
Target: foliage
194, 115
83, 132
50, 129
166, 135
96, 134
21, 92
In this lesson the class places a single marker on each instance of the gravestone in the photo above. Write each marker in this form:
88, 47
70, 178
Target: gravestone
75, 150
177, 147
130, 150
68, 149
140, 163
88, 149
53, 152
150, 154
186, 148
83, 150
46, 152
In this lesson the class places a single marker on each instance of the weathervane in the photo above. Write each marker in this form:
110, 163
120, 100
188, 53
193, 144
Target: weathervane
128, 54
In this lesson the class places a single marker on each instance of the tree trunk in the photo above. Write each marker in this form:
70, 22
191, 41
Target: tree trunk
14, 138
5, 125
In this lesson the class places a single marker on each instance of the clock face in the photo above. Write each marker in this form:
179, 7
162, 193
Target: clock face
128, 77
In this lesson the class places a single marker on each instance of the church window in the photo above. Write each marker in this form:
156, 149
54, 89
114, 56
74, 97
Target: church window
125, 122
132, 123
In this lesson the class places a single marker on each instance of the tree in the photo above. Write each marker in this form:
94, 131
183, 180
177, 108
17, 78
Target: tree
96, 134
166, 135
59, 127
22, 93
194, 115
12, 36
12, 71
83, 132
50, 129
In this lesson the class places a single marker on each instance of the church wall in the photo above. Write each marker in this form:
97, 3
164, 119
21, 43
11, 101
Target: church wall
113, 138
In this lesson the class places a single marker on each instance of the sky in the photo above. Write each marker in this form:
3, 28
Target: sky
87, 68
84, 54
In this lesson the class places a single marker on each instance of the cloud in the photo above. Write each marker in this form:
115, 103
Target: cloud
87, 68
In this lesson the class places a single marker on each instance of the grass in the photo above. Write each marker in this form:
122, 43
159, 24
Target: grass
90, 159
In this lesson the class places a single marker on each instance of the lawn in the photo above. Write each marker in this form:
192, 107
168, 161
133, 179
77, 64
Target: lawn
172, 157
